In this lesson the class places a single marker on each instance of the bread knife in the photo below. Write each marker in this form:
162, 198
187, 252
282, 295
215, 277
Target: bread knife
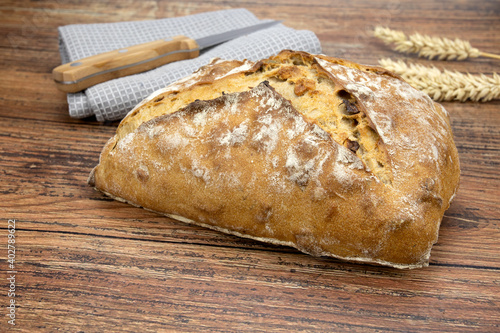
83, 73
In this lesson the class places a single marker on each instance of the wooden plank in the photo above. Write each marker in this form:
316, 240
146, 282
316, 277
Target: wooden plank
154, 285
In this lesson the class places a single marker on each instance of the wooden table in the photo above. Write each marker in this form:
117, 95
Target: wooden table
86, 263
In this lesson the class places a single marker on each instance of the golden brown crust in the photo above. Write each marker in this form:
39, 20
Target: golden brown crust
328, 156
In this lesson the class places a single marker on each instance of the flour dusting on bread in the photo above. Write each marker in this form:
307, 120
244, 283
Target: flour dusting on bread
326, 155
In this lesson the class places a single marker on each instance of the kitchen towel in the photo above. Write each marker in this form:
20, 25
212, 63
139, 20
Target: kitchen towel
113, 99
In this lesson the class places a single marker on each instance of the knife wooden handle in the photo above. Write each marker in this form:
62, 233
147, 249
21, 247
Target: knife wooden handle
81, 74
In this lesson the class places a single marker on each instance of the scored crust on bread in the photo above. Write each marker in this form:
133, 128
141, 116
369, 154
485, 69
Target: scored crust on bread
318, 153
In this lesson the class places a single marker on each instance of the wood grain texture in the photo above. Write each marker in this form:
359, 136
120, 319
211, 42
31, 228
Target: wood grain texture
87, 263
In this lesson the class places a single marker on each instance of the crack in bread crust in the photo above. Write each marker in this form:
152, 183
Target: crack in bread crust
301, 80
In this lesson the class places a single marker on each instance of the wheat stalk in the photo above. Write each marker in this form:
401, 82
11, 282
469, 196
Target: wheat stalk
430, 47
446, 85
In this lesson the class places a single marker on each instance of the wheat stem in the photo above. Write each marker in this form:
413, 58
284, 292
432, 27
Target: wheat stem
446, 85
430, 47
490, 55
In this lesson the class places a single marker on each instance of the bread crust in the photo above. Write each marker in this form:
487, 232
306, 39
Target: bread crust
321, 154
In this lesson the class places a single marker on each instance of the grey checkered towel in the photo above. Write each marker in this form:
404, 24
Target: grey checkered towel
112, 100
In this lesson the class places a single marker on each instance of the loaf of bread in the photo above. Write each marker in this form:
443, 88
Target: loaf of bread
321, 154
